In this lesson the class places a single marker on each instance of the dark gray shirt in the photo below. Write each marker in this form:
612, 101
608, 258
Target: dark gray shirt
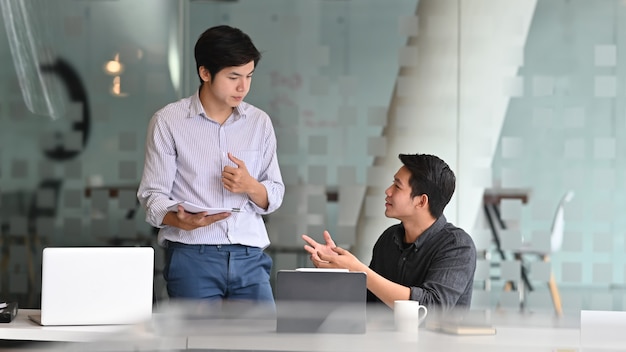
438, 267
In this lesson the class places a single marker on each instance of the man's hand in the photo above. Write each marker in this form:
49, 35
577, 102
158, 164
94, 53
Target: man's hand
330, 256
237, 179
191, 221
314, 248
339, 259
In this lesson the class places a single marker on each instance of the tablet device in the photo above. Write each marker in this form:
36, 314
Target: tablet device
310, 301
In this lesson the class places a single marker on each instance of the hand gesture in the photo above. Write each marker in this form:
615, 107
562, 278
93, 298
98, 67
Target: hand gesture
314, 248
338, 259
330, 256
237, 179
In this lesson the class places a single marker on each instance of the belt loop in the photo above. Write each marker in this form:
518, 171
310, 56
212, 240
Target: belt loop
247, 250
202, 249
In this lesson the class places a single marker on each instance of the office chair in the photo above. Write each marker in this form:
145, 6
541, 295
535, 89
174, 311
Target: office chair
556, 241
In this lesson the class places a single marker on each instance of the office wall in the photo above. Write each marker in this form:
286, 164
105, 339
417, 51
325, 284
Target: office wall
564, 130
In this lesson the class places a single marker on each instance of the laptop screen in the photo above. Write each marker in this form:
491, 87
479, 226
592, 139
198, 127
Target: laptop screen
96, 285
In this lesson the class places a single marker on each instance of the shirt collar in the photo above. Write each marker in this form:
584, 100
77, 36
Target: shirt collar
240, 110
196, 109
433, 229
195, 106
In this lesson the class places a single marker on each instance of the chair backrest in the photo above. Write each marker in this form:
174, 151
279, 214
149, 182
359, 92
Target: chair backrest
558, 224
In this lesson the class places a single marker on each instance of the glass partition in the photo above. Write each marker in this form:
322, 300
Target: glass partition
522, 99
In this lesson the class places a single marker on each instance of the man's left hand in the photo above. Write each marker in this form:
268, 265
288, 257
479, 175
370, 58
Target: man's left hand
237, 179
340, 259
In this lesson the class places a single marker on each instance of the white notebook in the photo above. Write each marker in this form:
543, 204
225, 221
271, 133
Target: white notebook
194, 208
96, 285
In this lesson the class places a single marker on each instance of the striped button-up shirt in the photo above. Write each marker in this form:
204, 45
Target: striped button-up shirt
185, 154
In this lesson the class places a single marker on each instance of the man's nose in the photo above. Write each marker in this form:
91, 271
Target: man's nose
243, 85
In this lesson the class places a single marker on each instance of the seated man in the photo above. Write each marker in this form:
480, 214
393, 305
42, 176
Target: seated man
424, 257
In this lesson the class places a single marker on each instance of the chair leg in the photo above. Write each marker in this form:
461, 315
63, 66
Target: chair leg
554, 291
556, 297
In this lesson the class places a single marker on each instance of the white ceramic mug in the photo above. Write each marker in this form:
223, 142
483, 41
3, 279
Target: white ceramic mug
408, 315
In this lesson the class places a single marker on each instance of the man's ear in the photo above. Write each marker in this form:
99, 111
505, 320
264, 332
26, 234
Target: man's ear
204, 74
421, 201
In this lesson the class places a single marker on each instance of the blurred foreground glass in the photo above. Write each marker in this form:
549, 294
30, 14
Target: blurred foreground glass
30, 50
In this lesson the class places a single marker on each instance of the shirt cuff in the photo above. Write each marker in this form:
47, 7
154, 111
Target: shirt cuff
158, 212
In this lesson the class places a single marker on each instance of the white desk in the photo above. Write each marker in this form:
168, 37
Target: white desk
259, 335
514, 333
123, 337
22, 328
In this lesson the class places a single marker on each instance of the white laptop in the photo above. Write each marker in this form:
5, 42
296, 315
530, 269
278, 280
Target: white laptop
96, 285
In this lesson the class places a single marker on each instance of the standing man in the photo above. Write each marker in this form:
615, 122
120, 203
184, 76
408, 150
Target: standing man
214, 150
424, 257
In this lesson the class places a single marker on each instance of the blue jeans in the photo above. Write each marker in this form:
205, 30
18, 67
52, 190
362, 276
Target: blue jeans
218, 272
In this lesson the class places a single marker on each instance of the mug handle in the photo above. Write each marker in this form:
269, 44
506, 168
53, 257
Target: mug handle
423, 316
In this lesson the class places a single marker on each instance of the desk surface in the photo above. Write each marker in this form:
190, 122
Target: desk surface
171, 333
251, 335
124, 337
22, 328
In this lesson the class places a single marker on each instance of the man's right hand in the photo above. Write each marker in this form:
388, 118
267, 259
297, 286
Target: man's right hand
191, 221
313, 247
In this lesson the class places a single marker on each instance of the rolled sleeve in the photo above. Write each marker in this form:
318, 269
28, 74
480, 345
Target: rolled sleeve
448, 277
157, 211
